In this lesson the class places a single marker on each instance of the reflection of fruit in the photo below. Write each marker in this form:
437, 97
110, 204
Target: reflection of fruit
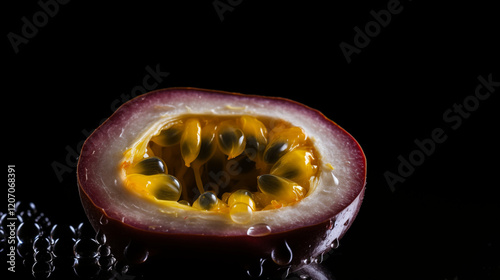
284, 217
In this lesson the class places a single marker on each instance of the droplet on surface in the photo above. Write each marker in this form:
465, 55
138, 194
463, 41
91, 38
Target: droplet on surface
86, 248
259, 230
136, 253
86, 267
42, 270
100, 237
42, 244
335, 179
335, 244
282, 254
103, 220
256, 271
64, 231
27, 231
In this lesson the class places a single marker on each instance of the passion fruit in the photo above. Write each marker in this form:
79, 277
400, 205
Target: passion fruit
239, 178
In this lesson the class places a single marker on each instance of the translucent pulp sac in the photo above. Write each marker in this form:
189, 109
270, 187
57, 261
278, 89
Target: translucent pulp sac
228, 164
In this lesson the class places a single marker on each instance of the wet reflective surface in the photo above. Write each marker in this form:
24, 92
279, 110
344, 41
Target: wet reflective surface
46, 250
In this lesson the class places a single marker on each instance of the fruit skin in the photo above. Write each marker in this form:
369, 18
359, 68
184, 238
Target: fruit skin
305, 241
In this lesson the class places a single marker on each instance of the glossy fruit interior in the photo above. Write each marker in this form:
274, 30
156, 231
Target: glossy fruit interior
233, 164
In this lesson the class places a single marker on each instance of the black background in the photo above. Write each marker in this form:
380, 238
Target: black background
442, 222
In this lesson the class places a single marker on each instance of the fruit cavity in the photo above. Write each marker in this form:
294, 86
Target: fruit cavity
233, 165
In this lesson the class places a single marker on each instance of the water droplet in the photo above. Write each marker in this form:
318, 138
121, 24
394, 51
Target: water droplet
255, 271
346, 222
62, 231
42, 270
335, 180
86, 267
100, 237
320, 258
136, 253
104, 250
103, 220
42, 244
259, 230
330, 224
282, 255
86, 248
335, 244
28, 231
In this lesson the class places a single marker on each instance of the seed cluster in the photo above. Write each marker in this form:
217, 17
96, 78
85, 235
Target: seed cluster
235, 164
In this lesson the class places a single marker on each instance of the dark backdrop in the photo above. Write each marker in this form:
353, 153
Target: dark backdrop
67, 66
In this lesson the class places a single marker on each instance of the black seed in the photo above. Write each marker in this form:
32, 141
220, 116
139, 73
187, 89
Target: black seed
253, 147
151, 166
245, 164
230, 139
170, 190
206, 149
169, 136
275, 152
290, 173
270, 184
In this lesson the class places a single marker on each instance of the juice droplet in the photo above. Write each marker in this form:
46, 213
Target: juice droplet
259, 230
282, 255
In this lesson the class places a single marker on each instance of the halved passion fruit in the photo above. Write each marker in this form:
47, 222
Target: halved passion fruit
240, 178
